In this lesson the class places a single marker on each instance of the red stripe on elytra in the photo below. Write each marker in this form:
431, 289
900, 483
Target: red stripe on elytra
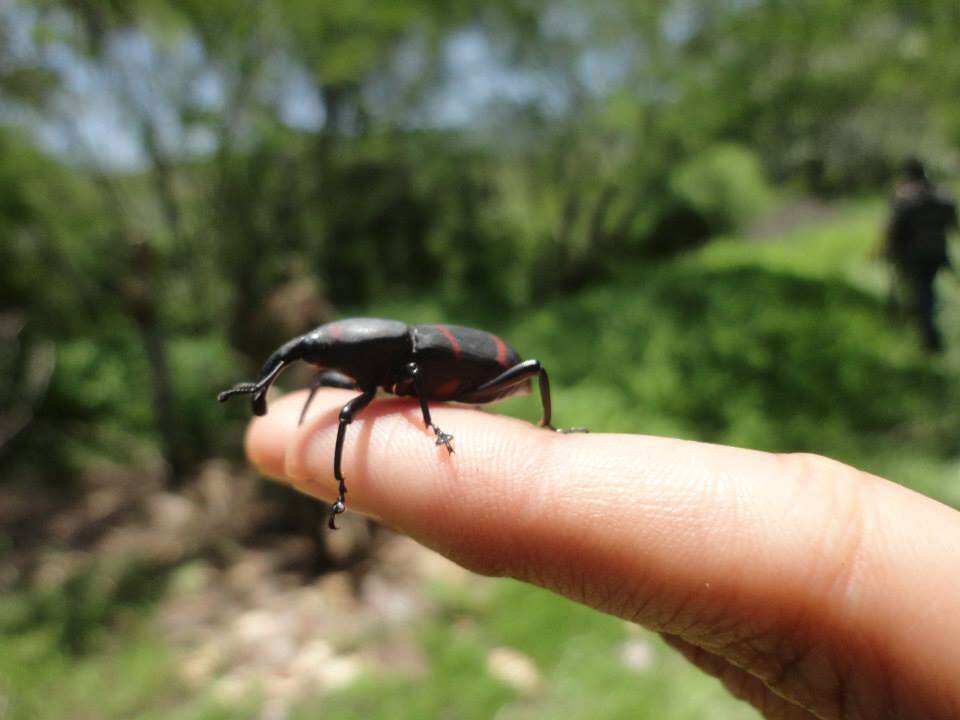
335, 330
501, 351
454, 343
448, 388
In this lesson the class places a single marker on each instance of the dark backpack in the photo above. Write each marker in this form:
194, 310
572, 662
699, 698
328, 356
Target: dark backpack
918, 229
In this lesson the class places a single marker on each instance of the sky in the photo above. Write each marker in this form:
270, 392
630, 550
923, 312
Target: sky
93, 120
98, 115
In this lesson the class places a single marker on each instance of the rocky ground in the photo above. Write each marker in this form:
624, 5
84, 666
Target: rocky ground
244, 612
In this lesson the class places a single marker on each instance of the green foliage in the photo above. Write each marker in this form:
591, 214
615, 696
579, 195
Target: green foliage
769, 344
83, 647
130, 675
764, 343
75, 613
643, 129
616, 133
723, 184
746, 357
577, 652
201, 368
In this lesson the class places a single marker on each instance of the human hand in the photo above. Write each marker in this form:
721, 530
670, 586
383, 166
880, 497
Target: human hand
811, 589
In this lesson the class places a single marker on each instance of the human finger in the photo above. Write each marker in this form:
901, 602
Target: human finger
809, 574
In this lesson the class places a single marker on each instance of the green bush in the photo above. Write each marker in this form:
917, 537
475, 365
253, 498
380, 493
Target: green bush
724, 185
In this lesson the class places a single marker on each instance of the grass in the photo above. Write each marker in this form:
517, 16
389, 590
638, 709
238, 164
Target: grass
784, 344
576, 650
127, 673
781, 344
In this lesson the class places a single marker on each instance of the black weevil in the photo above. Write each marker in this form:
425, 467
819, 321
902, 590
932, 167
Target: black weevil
429, 362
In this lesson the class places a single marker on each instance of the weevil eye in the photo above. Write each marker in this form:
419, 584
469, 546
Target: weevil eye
259, 404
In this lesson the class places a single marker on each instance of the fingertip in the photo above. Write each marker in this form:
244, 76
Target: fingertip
394, 468
268, 436
263, 447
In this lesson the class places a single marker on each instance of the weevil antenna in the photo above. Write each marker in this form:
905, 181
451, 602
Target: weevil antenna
276, 363
238, 389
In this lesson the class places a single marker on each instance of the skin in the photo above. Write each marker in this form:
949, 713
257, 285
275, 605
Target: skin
809, 588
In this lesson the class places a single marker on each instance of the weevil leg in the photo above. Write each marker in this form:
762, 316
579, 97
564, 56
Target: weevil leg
445, 439
347, 413
327, 378
514, 376
314, 386
282, 358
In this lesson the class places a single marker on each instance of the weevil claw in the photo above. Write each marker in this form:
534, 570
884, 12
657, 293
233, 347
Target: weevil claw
336, 509
444, 439
566, 431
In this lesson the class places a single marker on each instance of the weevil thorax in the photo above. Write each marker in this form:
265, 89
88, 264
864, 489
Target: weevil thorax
370, 350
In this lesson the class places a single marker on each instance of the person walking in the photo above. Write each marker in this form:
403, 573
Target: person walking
916, 244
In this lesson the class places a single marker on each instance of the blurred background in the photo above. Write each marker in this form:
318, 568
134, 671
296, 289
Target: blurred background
677, 206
